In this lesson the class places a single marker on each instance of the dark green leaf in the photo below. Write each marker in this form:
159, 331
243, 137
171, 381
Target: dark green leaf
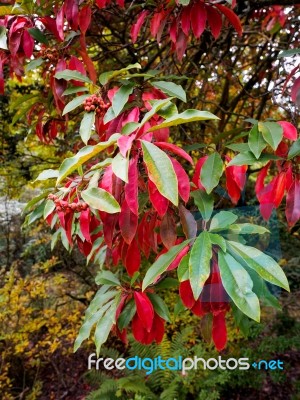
222, 220
256, 141
170, 89
101, 200
294, 150
238, 285
272, 133
204, 202
121, 98
126, 315
162, 263
199, 263
159, 306
69, 74
161, 171
263, 264
211, 172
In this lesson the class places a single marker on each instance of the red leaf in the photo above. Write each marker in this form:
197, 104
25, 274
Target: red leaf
214, 21
176, 150
133, 258
76, 65
259, 185
71, 12
87, 61
60, 23
185, 18
84, 221
289, 130
135, 29
279, 188
196, 177
131, 188
128, 223
125, 143
85, 15
198, 18
183, 180
186, 294
181, 44
295, 92
158, 328
292, 210
168, 231
109, 223
235, 181
27, 44
219, 331
232, 18
188, 222
159, 202
156, 22
174, 264
289, 178
144, 309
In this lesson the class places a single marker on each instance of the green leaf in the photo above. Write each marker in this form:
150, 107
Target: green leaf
218, 240
240, 147
35, 200
294, 150
238, 285
161, 171
47, 174
96, 245
90, 320
256, 142
183, 268
33, 64
107, 278
101, 200
171, 89
3, 38
86, 126
126, 315
49, 208
199, 263
249, 158
162, 263
183, 118
204, 202
288, 53
247, 229
129, 128
120, 167
159, 306
167, 283
222, 220
75, 89
36, 213
168, 111
38, 35
104, 325
211, 172
105, 77
272, 133
69, 74
121, 98
75, 103
85, 154
261, 290
156, 106
263, 264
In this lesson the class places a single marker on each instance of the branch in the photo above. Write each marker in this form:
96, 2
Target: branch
267, 3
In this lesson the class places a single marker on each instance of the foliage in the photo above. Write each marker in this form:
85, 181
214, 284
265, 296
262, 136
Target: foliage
134, 170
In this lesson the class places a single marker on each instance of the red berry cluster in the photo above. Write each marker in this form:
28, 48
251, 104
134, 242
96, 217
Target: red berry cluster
63, 205
96, 103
